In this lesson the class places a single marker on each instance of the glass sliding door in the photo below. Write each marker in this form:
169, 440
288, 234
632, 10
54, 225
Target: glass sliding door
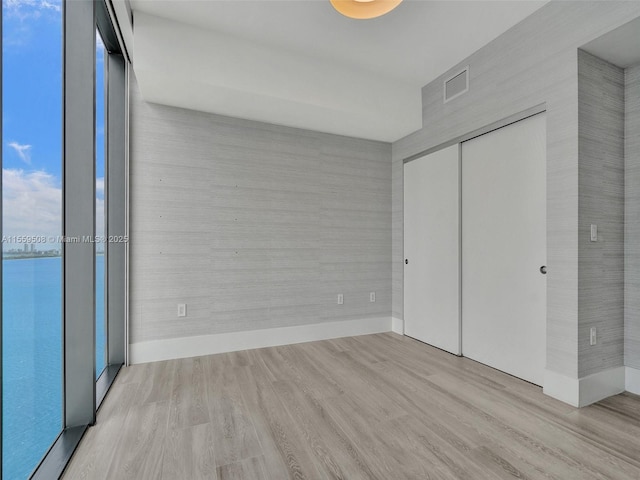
101, 326
31, 223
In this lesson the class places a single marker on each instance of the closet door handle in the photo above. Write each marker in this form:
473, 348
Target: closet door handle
543, 269
406, 261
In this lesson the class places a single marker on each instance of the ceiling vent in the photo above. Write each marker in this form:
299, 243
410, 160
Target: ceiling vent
456, 85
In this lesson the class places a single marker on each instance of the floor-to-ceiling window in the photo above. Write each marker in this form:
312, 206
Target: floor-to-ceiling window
63, 123
101, 328
31, 226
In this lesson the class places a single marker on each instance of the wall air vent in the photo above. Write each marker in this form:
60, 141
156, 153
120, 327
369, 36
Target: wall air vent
456, 85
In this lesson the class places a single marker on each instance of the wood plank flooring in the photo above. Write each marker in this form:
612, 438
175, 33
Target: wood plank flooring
373, 407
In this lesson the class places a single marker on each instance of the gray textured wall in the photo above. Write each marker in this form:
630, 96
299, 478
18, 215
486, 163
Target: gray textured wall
632, 218
252, 225
601, 184
535, 62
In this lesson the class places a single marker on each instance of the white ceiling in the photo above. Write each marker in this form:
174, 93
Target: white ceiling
300, 63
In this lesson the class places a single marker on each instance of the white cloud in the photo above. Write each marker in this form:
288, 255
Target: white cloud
32, 206
99, 48
99, 217
99, 42
50, 6
25, 9
100, 186
32, 203
23, 151
100, 208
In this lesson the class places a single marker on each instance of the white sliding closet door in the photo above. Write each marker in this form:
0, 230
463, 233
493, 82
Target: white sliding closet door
503, 248
432, 249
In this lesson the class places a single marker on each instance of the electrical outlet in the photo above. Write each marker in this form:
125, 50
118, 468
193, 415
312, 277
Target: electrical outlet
593, 337
372, 296
182, 310
340, 299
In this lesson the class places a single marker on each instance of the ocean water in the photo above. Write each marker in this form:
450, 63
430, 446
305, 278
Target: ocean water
32, 359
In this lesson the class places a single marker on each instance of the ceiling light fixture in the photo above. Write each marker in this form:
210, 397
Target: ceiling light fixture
364, 9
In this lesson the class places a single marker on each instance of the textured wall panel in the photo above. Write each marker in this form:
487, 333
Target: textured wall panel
533, 63
253, 225
601, 184
632, 218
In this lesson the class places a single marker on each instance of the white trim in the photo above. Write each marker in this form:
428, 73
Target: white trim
632, 380
584, 391
397, 325
183, 347
561, 387
601, 385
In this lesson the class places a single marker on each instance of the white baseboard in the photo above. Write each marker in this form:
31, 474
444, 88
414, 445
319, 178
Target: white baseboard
183, 347
599, 386
561, 387
397, 325
632, 380
584, 391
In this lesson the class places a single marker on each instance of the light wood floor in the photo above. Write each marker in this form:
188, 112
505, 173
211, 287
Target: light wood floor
372, 407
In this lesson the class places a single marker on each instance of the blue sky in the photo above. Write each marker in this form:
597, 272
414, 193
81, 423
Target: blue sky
32, 82
32, 118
